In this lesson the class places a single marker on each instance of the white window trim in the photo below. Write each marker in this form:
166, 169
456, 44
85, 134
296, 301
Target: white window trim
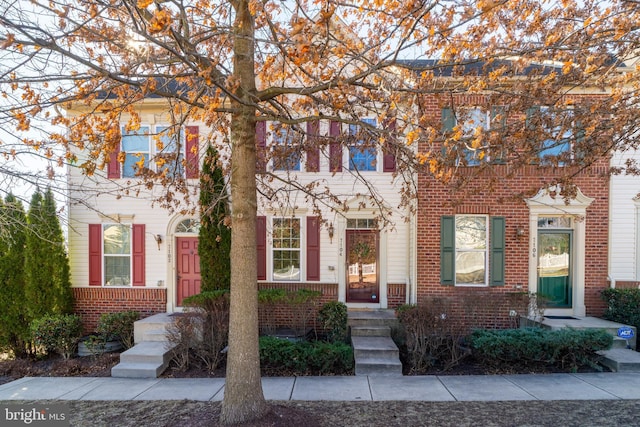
485, 251
105, 255
153, 151
301, 249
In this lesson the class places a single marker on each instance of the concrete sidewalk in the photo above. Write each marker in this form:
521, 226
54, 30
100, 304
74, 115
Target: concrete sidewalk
588, 386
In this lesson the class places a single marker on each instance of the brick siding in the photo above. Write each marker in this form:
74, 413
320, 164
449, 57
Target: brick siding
91, 302
501, 192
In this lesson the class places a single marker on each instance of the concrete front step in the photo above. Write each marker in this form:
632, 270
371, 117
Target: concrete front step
137, 370
371, 318
144, 360
370, 331
155, 335
379, 347
152, 324
621, 360
373, 366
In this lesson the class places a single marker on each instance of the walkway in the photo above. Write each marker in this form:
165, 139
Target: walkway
587, 386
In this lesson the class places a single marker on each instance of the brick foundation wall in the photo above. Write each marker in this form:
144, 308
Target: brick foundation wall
91, 302
624, 284
502, 191
283, 315
396, 295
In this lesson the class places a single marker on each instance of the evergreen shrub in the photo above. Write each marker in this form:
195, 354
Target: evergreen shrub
57, 332
567, 349
280, 356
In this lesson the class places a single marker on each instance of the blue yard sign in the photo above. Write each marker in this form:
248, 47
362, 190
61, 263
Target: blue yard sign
625, 332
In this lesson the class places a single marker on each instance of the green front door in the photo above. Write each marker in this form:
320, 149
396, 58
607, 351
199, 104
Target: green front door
554, 267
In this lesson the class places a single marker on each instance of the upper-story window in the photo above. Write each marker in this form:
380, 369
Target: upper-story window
560, 131
286, 150
362, 147
135, 145
147, 147
469, 126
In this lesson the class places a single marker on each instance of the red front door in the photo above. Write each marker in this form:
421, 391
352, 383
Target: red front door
362, 266
188, 268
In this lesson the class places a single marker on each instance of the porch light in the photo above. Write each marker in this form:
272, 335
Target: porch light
519, 232
158, 240
330, 230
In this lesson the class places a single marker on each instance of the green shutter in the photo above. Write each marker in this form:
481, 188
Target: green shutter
498, 155
532, 112
496, 258
447, 250
448, 123
448, 120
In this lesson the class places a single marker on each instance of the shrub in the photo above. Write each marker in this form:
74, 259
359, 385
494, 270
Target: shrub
118, 326
202, 331
303, 304
568, 349
623, 305
267, 300
432, 336
59, 333
280, 356
333, 319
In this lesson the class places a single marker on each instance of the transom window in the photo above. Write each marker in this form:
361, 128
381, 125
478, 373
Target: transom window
162, 145
116, 240
189, 225
362, 223
554, 222
286, 249
362, 148
471, 250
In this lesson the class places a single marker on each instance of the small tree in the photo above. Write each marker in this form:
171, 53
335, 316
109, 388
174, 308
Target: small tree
14, 326
48, 287
214, 243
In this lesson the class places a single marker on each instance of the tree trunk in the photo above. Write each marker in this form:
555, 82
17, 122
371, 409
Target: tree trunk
243, 397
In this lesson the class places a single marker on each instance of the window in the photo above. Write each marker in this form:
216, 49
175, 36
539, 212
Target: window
469, 255
286, 249
286, 152
362, 150
117, 254
136, 146
471, 250
169, 155
557, 126
162, 145
474, 122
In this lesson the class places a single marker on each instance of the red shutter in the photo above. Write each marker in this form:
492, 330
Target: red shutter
261, 246
113, 167
261, 147
138, 255
388, 158
313, 248
191, 155
313, 150
335, 148
95, 254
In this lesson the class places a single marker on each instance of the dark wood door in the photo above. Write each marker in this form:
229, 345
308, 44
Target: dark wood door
188, 280
362, 266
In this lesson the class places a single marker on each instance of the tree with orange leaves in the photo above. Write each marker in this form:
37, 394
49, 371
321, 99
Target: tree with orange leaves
232, 64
